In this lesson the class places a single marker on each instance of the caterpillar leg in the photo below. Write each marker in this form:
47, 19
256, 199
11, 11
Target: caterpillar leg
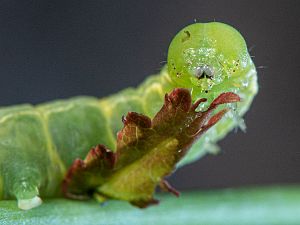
100, 198
26, 204
27, 193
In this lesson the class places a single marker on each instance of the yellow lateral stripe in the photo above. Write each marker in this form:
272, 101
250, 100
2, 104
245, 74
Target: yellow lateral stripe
103, 105
53, 154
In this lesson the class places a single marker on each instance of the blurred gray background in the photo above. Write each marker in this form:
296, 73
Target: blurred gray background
57, 49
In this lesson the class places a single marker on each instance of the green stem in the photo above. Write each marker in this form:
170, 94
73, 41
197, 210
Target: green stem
247, 206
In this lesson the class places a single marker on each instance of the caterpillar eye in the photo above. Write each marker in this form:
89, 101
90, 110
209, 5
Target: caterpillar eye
204, 72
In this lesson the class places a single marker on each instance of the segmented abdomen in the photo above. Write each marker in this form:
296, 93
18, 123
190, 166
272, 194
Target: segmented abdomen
38, 143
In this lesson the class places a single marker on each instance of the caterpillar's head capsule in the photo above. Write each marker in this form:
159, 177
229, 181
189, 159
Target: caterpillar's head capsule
203, 56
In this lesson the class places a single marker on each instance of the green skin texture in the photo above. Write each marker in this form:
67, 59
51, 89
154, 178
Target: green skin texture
39, 143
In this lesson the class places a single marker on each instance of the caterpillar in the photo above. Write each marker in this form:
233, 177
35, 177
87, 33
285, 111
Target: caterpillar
38, 143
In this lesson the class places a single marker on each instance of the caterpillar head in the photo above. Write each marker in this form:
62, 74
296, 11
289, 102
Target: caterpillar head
206, 57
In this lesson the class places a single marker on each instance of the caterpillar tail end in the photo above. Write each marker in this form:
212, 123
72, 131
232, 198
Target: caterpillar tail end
26, 204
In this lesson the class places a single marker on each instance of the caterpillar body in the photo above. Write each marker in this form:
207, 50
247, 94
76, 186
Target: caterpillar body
38, 143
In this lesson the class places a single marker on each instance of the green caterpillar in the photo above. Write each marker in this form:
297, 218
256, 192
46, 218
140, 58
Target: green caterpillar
39, 143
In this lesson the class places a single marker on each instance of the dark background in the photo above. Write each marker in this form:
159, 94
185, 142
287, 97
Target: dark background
57, 49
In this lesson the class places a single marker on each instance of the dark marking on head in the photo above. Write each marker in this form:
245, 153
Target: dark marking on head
186, 37
204, 72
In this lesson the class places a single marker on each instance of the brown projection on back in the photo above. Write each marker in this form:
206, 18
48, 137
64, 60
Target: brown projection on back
147, 151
